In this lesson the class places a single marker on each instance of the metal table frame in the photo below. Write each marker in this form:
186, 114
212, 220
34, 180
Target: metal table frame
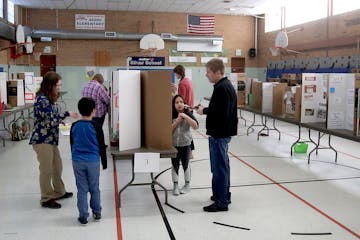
320, 127
13, 113
130, 155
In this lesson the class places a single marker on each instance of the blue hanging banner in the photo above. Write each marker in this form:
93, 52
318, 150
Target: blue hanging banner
147, 61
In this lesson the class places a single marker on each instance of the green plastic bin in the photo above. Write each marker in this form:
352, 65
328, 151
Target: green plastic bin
300, 147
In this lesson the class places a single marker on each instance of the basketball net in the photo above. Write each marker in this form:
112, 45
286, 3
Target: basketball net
152, 52
37, 56
275, 51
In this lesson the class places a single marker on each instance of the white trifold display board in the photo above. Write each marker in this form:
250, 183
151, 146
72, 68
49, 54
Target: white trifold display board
314, 97
114, 121
128, 100
30, 87
3, 88
341, 101
267, 97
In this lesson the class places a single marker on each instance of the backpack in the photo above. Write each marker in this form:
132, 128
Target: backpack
20, 129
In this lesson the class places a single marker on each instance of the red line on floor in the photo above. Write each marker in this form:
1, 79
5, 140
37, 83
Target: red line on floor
298, 197
117, 208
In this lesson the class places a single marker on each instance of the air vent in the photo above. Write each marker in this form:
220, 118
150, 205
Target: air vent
166, 36
110, 34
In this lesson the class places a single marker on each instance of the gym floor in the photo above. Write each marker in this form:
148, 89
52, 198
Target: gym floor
275, 196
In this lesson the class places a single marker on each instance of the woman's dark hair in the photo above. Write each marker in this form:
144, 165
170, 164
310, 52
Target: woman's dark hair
86, 106
48, 86
174, 111
179, 69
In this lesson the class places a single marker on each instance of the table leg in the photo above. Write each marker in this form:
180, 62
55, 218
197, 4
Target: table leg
129, 183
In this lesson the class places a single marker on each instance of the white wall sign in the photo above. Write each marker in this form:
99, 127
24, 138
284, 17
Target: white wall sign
90, 21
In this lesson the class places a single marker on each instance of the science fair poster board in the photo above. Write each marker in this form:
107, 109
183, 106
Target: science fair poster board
341, 101
314, 97
126, 97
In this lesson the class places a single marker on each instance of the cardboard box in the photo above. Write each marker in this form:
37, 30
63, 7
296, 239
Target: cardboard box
278, 99
29, 84
256, 91
15, 92
241, 98
156, 109
273, 80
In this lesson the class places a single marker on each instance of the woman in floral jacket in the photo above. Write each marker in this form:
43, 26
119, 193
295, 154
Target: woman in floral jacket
45, 140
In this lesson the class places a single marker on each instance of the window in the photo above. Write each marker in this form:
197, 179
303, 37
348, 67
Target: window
342, 6
296, 12
1, 9
11, 11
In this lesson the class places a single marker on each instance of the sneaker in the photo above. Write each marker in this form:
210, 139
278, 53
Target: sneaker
176, 191
66, 195
97, 216
185, 189
215, 208
51, 204
83, 220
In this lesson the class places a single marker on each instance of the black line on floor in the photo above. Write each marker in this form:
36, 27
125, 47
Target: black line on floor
227, 225
175, 208
284, 182
312, 234
163, 215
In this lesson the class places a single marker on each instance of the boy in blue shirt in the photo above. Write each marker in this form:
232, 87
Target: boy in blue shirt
87, 147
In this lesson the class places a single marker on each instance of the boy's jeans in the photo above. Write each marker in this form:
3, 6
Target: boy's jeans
87, 180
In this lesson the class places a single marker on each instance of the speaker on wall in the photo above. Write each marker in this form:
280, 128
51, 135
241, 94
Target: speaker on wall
252, 52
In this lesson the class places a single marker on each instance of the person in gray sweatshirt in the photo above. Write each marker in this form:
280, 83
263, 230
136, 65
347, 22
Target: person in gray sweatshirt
182, 120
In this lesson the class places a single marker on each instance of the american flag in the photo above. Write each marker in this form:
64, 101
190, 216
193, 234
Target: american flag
201, 24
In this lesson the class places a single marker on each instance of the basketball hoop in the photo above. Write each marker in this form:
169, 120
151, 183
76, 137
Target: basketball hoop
151, 43
275, 51
37, 56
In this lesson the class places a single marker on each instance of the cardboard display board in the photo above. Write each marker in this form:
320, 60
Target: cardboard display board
278, 103
129, 102
341, 101
3, 89
15, 92
29, 84
293, 103
314, 97
114, 121
156, 109
267, 97
141, 109
256, 91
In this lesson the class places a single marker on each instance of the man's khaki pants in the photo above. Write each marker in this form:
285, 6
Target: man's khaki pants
51, 185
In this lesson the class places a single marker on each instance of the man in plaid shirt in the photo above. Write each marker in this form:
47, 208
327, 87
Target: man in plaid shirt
97, 91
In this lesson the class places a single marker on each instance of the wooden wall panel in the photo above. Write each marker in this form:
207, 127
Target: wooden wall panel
237, 32
81, 53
